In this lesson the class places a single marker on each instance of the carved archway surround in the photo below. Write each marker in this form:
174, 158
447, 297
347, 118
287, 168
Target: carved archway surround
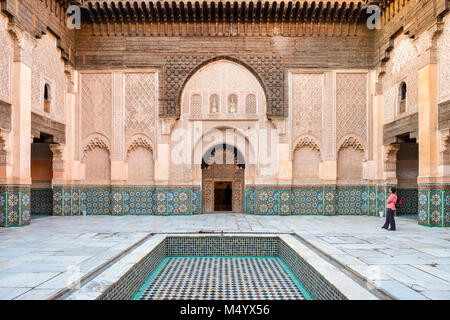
95, 141
179, 69
225, 172
139, 141
306, 141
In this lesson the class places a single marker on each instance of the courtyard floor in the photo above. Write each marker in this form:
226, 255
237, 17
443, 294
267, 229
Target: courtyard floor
37, 261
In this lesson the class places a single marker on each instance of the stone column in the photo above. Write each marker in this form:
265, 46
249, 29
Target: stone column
390, 163
70, 149
328, 166
432, 208
21, 111
118, 167
162, 164
284, 163
59, 173
428, 124
373, 170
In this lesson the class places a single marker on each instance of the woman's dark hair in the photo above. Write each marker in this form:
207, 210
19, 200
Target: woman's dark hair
394, 189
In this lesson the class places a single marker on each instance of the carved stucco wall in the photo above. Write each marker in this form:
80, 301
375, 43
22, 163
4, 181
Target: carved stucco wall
177, 70
119, 108
140, 104
351, 106
407, 57
96, 113
231, 82
224, 79
48, 68
6, 60
327, 109
444, 61
96, 104
307, 96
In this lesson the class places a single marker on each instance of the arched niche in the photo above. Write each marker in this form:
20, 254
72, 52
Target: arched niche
222, 89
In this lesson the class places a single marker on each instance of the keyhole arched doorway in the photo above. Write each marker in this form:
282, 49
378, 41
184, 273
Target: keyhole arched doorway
223, 175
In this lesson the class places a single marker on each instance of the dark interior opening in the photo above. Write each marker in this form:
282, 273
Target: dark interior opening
41, 175
407, 171
223, 196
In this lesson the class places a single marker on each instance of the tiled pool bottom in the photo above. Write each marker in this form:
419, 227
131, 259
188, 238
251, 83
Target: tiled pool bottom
222, 278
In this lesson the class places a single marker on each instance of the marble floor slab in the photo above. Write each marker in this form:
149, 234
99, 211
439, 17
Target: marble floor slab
415, 260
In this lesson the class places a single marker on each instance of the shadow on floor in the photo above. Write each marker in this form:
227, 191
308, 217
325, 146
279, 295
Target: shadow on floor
409, 216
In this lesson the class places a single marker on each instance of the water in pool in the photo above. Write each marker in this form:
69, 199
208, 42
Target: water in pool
222, 278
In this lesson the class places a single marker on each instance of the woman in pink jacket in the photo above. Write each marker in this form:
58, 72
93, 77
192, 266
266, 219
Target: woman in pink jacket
391, 201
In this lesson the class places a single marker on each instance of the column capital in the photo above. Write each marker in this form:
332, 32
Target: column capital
5, 139
23, 44
58, 151
280, 124
58, 162
70, 81
5, 146
390, 151
435, 31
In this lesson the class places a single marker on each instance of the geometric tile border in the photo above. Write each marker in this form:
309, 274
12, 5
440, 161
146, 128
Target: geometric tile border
315, 200
434, 205
41, 201
409, 199
15, 204
99, 200
431, 202
222, 246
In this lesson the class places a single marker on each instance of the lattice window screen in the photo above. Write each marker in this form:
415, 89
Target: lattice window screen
196, 104
250, 103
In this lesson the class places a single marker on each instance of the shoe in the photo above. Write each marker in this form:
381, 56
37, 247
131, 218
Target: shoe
384, 228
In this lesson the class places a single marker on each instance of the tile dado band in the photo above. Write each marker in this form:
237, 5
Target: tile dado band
14, 205
432, 202
434, 205
316, 200
133, 200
